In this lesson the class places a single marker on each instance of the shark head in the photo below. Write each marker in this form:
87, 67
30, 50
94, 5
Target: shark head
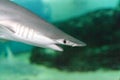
70, 43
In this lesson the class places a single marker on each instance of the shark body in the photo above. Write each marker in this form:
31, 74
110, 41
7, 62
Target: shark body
19, 24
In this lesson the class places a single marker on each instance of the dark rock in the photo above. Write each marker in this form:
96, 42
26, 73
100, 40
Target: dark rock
101, 31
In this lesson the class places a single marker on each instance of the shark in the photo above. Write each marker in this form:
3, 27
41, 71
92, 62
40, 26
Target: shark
21, 25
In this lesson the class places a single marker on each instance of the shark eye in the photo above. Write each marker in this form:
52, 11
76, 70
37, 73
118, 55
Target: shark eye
64, 41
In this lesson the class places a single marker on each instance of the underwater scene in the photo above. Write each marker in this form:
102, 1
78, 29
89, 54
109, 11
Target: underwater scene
60, 40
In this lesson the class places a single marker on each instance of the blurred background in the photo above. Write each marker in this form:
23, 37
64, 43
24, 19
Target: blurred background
95, 22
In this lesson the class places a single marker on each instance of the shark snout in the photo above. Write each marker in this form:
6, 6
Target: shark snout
70, 43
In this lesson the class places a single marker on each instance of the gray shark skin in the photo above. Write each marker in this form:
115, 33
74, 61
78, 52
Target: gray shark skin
19, 24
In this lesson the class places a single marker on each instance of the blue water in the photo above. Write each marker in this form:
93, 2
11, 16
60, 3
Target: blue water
36, 6
16, 47
60, 10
